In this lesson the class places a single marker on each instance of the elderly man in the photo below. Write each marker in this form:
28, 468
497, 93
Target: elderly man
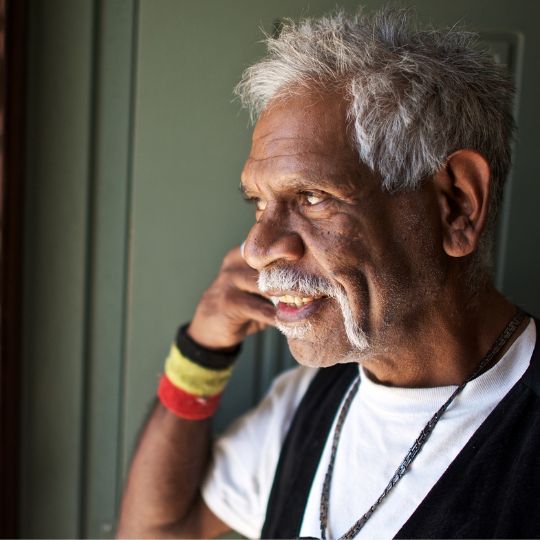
376, 169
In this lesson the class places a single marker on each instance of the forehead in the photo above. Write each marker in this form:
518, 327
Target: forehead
303, 137
317, 121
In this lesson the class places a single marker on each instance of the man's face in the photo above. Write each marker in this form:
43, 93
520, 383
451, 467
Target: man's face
353, 268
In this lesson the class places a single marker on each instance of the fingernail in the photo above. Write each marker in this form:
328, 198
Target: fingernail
242, 249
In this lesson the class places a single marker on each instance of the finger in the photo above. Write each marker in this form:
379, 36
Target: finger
234, 257
245, 279
254, 326
253, 307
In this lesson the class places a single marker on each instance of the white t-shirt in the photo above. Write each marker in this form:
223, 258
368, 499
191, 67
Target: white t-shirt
382, 424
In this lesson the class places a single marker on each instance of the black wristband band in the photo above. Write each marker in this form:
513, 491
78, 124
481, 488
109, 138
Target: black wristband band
207, 358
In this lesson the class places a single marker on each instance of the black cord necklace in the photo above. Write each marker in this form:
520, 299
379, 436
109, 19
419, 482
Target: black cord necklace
503, 338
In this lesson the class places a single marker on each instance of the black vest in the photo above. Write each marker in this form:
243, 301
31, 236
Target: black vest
490, 490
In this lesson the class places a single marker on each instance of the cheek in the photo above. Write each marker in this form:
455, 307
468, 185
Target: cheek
396, 252
369, 261
371, 256
344, 256
350, 253
336, 242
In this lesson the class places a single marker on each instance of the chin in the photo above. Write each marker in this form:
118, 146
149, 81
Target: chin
320, 353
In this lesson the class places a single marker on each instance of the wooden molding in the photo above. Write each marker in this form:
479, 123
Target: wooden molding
12, 105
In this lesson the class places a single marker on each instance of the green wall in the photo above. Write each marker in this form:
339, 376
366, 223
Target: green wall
134, 153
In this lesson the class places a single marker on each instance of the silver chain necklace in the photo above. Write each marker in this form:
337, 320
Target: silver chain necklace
503, 338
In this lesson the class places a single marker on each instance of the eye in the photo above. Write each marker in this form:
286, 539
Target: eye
312, 198
260, 204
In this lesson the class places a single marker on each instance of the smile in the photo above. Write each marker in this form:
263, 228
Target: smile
292, 301
291, 308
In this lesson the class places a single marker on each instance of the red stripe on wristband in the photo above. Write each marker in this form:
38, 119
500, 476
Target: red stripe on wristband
186, 405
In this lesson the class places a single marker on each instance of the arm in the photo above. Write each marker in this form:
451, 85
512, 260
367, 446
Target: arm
161, 498
162, 495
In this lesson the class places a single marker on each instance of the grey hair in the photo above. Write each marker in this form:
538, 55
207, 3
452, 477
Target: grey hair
415, 95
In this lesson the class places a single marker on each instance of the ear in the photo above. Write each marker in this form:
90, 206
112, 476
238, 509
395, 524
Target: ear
463, 187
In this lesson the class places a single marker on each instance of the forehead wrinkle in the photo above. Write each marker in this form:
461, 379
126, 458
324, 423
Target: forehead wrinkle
306, 163
271, 132
305, 180
289, 145
294, 154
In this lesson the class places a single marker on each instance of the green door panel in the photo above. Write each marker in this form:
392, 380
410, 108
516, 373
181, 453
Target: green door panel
56, 212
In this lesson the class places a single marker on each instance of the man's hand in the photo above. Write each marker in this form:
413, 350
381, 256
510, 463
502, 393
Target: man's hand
232, 307
162, 496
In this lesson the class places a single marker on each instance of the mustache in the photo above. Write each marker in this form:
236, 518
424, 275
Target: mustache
292, 279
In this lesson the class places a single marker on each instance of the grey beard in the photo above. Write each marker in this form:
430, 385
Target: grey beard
284, 279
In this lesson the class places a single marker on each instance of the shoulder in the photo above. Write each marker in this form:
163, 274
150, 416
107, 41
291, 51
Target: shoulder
277, 408
245, 457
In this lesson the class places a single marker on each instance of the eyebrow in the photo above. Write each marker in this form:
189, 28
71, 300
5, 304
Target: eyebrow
294, 184
306, 183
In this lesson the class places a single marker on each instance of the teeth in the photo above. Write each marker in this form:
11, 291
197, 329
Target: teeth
297, 301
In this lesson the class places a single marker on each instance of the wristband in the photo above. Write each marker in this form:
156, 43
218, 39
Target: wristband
185, 405
194, 378
201, 355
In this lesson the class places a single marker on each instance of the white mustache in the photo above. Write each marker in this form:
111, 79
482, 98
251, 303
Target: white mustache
288, 279
285, 279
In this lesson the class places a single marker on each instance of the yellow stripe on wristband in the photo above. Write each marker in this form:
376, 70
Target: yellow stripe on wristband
195, 379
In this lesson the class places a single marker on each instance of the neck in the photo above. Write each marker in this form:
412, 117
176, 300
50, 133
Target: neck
446, 343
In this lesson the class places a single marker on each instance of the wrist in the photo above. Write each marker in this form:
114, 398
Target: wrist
194, 377
210, 339
210, 357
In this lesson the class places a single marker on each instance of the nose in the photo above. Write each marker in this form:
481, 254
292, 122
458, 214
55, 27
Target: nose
270, 240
